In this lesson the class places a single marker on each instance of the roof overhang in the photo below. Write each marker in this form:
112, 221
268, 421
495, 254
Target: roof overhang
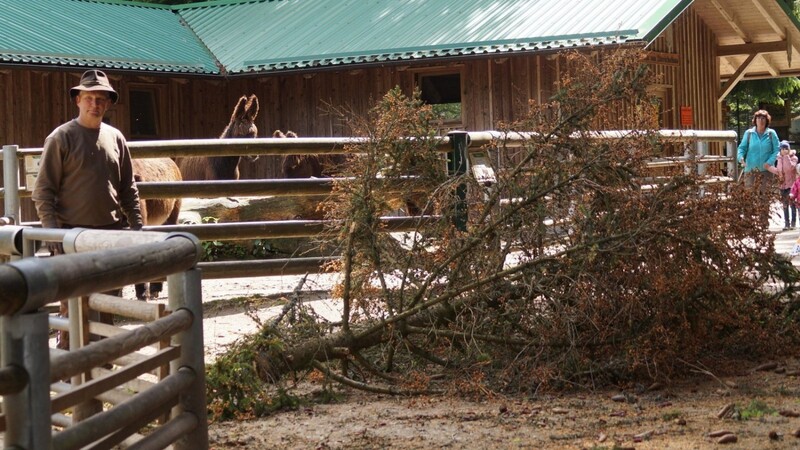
756, 39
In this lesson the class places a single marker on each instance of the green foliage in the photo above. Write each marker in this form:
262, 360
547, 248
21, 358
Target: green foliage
447, 111
756, 409
235, 250
234, 389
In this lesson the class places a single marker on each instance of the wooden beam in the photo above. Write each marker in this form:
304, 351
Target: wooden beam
770, 67
731, 83
747, 49
724, 61
731, 19
759, 4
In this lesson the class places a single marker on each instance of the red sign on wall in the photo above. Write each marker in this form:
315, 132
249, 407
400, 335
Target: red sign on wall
687, 119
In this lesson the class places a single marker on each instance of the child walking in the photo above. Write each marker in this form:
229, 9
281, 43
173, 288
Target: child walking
794, 193
785, 169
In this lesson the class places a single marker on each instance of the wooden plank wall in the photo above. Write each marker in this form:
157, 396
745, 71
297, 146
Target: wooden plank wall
697, 80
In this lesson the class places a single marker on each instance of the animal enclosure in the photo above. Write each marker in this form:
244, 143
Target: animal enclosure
695, 145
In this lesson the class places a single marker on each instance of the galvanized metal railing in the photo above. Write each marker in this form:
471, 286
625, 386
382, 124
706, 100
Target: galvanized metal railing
30, 370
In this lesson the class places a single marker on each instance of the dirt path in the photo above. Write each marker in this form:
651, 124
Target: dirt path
763, 414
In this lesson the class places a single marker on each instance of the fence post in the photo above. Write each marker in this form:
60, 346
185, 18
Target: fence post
702, 151
733, 165
457, 166
185, 293
11, 204
25, 343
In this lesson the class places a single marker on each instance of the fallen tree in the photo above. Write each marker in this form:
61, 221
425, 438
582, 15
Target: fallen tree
568, 272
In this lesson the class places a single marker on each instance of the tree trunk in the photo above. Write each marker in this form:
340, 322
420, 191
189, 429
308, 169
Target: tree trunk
251, 209
272, 363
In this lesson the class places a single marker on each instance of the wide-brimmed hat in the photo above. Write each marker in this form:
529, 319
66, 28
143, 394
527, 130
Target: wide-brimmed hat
94, 80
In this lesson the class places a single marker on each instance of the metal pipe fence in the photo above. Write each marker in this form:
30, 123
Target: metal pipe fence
100, 260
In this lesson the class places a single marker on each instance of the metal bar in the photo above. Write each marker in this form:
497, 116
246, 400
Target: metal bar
513, 139
13, 379
28, 412
186, 295
97, 386
140, 405
11, 203
167, 434
106, 350
277, 146
285, 228
283, 187
263, 268
64, 276
456, 167
175, 148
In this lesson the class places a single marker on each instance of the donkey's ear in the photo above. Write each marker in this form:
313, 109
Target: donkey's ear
252, 107
240, 110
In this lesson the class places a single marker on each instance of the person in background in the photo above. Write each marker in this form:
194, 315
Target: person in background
785, 169
85, 176
794, 191
759, 146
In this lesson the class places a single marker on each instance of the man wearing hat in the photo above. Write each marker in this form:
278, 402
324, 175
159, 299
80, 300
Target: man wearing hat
85, 176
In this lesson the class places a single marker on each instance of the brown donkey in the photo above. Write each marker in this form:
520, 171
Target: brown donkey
299, 166
241, 125
156, 211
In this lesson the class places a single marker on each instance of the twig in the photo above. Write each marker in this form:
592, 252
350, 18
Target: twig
698, 369
390, 390
425, 354
291, 304
457, 334
370, 368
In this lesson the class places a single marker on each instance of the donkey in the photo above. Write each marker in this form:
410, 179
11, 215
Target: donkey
156, 211
241, 125
299, 166
315, 166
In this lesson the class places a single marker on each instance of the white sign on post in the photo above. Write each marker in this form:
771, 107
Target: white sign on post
31, 163
481, 167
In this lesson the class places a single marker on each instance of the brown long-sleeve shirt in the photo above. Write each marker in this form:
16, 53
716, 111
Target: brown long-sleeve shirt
86, 178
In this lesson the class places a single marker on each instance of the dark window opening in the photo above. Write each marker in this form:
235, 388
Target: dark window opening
144, 114
443, 93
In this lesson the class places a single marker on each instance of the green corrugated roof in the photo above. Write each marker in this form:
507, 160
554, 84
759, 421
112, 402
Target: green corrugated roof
113, 35
273, 35
269, 35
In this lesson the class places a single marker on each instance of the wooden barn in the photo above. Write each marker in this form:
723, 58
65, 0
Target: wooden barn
179, 70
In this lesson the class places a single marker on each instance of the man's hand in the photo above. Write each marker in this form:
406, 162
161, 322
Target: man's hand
56, 248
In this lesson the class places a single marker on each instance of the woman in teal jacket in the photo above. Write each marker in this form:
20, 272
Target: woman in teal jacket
759, 146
